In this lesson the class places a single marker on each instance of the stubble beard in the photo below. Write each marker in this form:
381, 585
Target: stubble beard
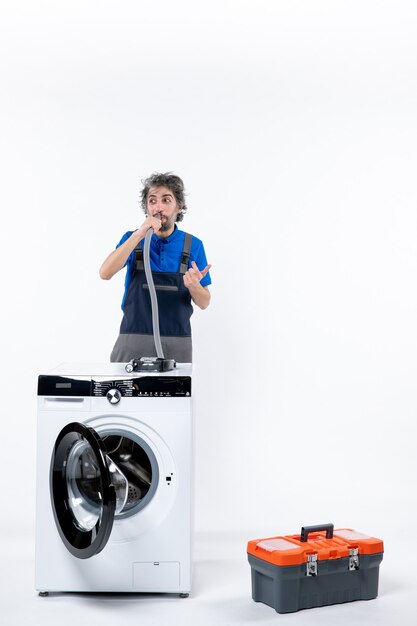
166, 226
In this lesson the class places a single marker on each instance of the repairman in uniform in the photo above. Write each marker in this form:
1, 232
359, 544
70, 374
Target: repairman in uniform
179, 269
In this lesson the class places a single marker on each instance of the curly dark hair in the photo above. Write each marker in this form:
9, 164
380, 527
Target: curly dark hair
174, 184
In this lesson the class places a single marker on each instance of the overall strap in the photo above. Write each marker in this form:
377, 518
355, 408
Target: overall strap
185, 255
138, 260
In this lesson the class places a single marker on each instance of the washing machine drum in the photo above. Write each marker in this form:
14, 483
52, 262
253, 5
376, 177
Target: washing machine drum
87, 490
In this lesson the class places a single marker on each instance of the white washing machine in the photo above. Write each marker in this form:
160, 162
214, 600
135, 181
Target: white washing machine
114, 461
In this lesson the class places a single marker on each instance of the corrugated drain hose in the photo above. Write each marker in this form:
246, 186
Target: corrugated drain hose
152, 293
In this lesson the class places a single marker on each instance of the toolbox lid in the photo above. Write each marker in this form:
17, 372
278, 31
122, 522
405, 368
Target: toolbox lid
321, 540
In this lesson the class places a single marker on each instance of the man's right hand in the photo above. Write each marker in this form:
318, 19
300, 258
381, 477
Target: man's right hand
152, 221
117, 259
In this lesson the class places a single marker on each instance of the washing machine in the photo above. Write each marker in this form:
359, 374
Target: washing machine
114, 480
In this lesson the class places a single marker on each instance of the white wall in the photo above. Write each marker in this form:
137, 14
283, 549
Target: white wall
293, 124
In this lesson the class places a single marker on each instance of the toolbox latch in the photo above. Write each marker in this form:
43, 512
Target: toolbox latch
353, 559
311, 565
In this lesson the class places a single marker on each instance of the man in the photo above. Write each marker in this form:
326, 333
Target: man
179, 269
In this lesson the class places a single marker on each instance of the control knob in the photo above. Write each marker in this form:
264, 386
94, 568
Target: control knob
113, 396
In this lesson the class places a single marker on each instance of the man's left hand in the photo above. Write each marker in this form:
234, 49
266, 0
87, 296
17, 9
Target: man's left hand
193, 275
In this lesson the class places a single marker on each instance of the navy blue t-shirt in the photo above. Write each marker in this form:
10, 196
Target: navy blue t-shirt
165, 256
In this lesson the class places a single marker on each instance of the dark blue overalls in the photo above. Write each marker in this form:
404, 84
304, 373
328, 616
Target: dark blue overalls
175, 309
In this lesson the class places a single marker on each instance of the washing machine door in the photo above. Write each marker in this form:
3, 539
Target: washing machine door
82, 492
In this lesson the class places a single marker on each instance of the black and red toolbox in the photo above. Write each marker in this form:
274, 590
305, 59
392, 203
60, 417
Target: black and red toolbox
320, 566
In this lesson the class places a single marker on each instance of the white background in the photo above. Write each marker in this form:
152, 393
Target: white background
293, 125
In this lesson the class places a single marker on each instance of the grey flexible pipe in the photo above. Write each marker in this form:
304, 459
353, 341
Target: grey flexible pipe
152, 293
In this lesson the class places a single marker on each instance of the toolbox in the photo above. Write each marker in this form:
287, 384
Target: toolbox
320, 566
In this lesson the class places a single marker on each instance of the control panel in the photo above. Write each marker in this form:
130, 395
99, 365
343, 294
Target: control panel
114, 389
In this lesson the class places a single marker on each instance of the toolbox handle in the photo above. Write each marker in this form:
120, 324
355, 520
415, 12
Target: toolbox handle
306, 530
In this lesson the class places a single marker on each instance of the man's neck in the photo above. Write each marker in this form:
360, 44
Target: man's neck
165, 234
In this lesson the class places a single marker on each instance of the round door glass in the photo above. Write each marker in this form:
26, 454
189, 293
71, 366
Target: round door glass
83, 480
84, 485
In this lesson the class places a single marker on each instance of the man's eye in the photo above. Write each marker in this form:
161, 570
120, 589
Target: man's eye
167, 200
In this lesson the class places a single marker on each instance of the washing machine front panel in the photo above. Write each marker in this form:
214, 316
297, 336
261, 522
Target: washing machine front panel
148, 548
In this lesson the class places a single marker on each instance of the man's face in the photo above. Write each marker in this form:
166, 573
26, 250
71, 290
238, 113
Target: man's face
162, 201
